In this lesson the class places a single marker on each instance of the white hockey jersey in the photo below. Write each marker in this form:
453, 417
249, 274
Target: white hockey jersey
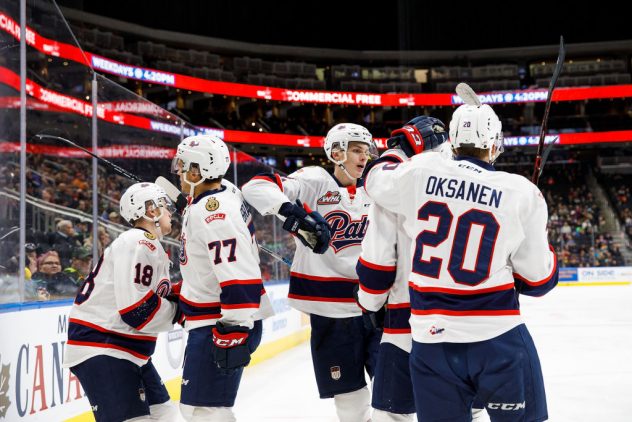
219, 262
319, 284
384, 265
120, 307
480, 238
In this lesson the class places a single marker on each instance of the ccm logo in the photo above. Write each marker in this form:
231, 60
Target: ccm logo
229, 342
506, 406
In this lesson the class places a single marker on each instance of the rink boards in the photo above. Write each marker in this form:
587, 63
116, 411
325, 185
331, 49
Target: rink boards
34, 386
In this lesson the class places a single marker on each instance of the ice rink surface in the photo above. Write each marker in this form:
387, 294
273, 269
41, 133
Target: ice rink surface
584, 339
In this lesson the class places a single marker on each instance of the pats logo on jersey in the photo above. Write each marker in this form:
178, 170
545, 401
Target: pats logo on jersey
164, 288
183, 250
330, 198
345, 231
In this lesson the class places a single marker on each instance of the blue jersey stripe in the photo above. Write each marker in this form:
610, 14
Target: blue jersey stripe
319, 290
236, 294
142, 312
84, 335
397, 318
493, 301
195, 311
375, 279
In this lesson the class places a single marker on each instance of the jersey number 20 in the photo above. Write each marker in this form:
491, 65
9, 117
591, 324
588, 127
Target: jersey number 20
464, 224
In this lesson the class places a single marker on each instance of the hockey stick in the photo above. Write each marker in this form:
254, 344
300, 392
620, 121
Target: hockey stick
172, 191
546, 153
273, 254
537, 168
116, 168
10, 232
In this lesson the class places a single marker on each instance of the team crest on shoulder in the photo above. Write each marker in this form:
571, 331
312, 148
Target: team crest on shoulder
150, 236
212, 204
329, 198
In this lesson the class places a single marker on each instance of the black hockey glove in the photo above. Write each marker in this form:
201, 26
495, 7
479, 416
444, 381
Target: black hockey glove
309, 226
418, 135
174, 297
373, 320
230, 349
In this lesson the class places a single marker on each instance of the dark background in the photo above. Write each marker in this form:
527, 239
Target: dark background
386, 25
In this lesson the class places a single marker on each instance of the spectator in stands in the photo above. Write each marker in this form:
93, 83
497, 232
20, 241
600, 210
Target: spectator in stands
64, 241
83, 229
31, 260
114, 217
80, 266
50, 277
103, 239
48, 195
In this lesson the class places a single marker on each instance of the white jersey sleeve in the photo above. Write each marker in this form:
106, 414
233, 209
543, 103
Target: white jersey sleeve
134, 275
380, 181
267, 192
377, 264
534, 261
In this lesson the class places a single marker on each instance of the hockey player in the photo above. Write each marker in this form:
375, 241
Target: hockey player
322, 280
480, 237
383, 270
222, 293
118, 312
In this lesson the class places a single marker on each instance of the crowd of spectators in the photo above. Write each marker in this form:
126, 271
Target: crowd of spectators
620, 193
576, 224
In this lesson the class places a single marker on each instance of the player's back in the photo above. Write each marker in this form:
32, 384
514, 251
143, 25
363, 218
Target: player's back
470, 223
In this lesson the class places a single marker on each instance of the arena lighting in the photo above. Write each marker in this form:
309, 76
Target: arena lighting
113, 67
43, 98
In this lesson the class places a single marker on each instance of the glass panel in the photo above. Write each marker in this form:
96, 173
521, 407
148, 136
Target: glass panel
132, 132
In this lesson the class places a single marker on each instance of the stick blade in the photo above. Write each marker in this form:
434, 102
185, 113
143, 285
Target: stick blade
467, 94
172, 192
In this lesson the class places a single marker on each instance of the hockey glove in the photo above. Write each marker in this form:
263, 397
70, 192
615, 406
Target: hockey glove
174, 297
174, 293
373, 320
421, 134
309, 226
231, 346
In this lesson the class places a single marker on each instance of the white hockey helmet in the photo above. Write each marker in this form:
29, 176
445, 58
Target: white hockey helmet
477, 127
339, 137
134, 202
209, 153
